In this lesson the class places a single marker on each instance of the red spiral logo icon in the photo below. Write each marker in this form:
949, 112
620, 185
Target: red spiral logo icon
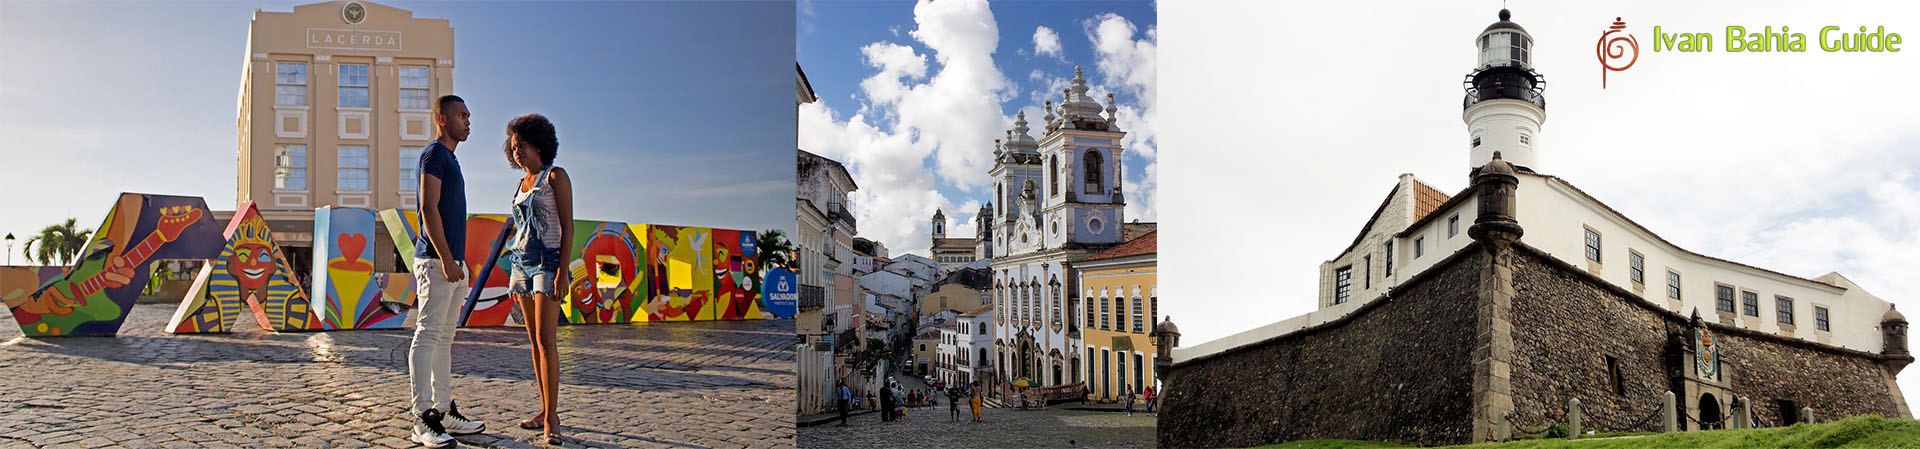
1617, 48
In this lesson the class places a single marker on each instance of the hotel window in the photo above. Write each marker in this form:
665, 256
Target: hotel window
1138, 327
353, 85
1453, 225
1153, 310
1786, 309
414, 85
1342, 284
1637, 267
290, 83
353, 169
1820, 319
1673, 284
1750, 302
1389, 253
409, 161
1120, 313
1419, 247
290, 167
1593, 245
1723, 298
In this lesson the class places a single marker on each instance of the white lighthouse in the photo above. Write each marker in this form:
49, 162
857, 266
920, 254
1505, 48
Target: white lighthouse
1505, 104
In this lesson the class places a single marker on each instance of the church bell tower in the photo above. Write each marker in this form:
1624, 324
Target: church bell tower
1505, 104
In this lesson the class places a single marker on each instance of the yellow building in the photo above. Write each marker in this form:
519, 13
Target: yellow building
335, 105
962, 289
1120, 304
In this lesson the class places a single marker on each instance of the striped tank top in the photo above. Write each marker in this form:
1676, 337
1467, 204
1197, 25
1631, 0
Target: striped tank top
536, 215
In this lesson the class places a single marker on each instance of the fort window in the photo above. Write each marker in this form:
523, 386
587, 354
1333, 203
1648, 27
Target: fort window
1820, 319
1723, 298
290, 84
1750, 302
1453, 225
1613, 376
1786, 309
1593, 245
1389, 253
1366, 272
1673, 284
1342, 284
1637, 267
1419, 246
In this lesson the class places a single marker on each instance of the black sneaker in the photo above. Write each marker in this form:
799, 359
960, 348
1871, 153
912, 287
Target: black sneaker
429, 432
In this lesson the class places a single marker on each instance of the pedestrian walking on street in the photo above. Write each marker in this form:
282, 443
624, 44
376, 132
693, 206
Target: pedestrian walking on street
844, 399
440, 265
975, 403
542, 221
953, 401
886, 403
1129, 399
1087, 397
1149, 399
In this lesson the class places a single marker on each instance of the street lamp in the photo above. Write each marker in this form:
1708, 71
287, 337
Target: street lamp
9, 248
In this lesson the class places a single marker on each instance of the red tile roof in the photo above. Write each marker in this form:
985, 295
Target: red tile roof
1146, 244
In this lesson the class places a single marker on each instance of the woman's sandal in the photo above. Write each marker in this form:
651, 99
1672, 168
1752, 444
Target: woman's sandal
554, 440
534, 423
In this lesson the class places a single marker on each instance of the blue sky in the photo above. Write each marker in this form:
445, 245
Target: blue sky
912, 96
668, 112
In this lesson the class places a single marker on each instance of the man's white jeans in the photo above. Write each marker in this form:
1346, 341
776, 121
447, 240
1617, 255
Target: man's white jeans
430, 360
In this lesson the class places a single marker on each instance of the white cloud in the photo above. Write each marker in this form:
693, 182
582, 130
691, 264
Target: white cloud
1046, 43
1131, 68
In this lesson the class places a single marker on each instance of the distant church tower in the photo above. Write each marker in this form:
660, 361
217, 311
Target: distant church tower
1505, 104
939, 225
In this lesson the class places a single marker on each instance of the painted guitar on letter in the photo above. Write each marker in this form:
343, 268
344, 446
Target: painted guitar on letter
78, 297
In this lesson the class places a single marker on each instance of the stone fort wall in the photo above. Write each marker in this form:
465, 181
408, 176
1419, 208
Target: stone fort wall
1566, 323
1397, 369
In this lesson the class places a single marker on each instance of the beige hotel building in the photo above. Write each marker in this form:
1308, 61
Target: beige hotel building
336, 101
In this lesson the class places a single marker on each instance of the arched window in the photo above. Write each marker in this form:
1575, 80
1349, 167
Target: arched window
1053, 174
1093, 168
1000, 191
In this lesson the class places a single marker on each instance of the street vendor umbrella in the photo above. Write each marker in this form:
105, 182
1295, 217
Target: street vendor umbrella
1023, 382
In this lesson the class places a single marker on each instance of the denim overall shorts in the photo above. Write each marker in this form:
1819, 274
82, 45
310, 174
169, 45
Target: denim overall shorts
534, 265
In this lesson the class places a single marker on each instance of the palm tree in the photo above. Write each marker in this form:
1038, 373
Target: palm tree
61, 242
773, 248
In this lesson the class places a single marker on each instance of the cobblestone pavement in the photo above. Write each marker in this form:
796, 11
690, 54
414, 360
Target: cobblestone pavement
930, 427
707, 384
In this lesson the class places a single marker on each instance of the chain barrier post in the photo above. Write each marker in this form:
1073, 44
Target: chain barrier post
1573, 418
1806, 415
1671, 423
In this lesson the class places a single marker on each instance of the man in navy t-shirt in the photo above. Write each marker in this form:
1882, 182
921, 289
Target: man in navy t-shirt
439, 271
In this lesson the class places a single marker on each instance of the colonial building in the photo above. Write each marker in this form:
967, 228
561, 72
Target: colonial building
951, 253
1059, 202
336, 102
1120, 301
1459, 318
961, 289
968, 345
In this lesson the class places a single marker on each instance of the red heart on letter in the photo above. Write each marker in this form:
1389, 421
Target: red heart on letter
351, 244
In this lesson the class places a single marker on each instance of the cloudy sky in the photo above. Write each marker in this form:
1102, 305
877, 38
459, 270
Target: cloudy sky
913, 95
1293, 121
649, 99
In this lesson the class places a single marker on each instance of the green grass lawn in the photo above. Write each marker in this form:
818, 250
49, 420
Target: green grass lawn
1855, 432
